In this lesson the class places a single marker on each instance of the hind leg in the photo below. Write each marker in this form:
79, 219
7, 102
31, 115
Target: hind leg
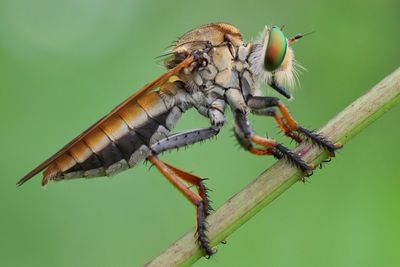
200, 201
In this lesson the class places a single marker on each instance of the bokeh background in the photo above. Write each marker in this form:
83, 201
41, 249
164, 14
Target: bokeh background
64, 64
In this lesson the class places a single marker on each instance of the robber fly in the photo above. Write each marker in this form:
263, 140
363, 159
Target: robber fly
208, 68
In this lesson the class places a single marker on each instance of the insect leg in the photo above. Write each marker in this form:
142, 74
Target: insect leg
276, 149
183, 139
196, 181
280, 89
281, 124
259, 102
195, 199
247, 144
186, 138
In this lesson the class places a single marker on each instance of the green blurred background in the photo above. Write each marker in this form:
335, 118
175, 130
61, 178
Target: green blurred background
64, 64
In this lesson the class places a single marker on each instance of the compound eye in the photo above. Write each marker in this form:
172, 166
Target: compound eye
276, 49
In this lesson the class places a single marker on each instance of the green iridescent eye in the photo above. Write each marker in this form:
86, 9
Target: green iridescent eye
276, 49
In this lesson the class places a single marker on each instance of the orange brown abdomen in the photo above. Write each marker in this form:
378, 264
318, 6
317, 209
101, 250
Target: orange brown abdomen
120, 142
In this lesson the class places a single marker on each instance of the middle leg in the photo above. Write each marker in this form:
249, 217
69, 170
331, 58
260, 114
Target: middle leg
246, 138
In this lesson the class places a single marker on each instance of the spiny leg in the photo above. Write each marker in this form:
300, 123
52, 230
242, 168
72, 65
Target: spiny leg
284, 152
195, 181
190, 137
310, 135
173, 174
195, 199
183, 139
247, 145
264, 102
319, 140
281, 124
242, 126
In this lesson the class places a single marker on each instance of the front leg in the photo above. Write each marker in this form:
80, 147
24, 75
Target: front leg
262, 102
279, 88
271, 112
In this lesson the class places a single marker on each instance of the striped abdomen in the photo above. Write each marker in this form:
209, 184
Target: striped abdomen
120, 142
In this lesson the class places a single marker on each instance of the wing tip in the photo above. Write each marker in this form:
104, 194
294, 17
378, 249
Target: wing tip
49, 174
24, 179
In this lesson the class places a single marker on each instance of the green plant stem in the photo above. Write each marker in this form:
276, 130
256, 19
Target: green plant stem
279, 177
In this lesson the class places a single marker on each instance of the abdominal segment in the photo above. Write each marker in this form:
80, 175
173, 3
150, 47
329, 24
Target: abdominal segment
120, 142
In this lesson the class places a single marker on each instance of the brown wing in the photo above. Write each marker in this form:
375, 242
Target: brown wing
154, 84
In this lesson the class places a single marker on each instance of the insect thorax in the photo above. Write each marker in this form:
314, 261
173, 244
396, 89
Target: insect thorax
226, 67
